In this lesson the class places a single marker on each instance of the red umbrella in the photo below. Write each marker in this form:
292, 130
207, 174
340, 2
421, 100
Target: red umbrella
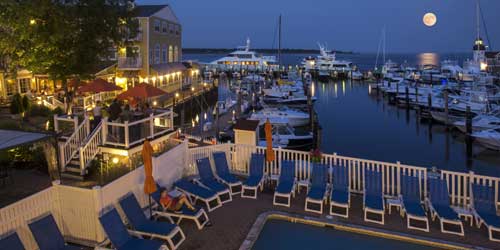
141, 91
98, 85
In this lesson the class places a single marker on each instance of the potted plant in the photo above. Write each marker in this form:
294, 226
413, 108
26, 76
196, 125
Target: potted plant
316, 155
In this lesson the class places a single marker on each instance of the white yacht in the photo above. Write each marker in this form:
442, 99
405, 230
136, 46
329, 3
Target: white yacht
244, 58
481, 122
326, 63
295, 118
286, 136
489, 138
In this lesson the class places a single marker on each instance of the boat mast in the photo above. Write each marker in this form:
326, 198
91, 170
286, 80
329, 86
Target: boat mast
279, 41
477, 20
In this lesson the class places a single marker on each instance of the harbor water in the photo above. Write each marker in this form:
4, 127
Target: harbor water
361, 124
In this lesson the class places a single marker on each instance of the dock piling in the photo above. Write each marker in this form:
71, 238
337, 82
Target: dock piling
446, 107
407, 98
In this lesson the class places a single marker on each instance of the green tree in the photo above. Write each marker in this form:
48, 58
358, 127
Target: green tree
16, 104
63, 38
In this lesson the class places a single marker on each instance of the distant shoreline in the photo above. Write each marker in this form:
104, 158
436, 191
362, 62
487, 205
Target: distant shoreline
265, 51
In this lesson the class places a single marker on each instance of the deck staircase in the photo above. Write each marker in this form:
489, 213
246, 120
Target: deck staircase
79, 150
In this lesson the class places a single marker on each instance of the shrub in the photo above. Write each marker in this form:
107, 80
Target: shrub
40, 110
26, 104
58, 111
16, 105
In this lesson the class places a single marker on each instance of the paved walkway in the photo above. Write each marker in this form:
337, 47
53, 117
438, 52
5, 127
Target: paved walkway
232, 222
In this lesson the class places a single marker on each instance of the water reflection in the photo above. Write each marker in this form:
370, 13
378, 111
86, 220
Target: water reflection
428, 59
356, 124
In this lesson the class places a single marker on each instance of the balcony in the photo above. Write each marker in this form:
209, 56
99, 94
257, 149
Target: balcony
130, 63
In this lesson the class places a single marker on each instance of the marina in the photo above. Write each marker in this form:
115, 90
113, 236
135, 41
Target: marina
131, 126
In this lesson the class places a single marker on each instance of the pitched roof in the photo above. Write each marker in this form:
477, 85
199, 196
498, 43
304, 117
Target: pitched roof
12, 138
248, 125
148, 10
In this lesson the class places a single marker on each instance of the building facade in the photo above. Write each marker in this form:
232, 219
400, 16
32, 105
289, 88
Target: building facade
493, 62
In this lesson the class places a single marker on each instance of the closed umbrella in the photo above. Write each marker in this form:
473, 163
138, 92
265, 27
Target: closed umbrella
269, 141
149, 182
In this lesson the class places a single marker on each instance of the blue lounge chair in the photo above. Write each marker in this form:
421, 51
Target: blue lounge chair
340, 197
199, 216
142, 226
223, 173
416, 218
209, 197
256, 178
47, 234
286, 184
373, 199
485, 210
439, 206
208, 180
316, 194
11, 241
120, 237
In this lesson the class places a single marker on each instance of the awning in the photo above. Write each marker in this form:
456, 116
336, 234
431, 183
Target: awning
168, 68
13, 138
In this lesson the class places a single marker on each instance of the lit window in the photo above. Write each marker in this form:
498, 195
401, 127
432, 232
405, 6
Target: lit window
170, 53
24, 85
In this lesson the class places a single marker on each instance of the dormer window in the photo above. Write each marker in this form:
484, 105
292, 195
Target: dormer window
157, 24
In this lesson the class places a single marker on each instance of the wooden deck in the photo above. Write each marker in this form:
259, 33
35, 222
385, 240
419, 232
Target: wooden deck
232, 222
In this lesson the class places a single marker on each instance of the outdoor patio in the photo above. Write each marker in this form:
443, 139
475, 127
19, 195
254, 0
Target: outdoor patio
232, 222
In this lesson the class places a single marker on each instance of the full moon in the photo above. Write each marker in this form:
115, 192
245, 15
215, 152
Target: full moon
430, 19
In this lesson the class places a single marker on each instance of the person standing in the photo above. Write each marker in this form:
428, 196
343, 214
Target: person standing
97, 112
114, 111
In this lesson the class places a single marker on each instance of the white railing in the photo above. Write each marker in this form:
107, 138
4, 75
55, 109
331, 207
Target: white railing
72, 145
127, 134
458, 183
88, 102
91, 148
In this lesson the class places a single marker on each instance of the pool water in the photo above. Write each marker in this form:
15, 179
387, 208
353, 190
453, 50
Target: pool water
279, 234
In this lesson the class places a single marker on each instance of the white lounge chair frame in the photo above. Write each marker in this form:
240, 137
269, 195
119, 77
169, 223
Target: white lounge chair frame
286, 196
310, 201
159, 212
334, 204
443, 221
491, 229
253, 189
410, 217
206, 201
167, 238
219, 194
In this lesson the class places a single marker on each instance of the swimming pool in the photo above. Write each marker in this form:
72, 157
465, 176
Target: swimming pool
279, 234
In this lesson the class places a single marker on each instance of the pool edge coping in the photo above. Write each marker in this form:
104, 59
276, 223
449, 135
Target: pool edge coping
261, 220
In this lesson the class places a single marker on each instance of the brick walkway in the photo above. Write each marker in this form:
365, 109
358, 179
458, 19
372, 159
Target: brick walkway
232, 222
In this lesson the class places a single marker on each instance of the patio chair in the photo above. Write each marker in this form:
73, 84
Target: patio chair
340, 197
142, 226
11, 241
373, 199
485, 211
439, 206
47, 234
121, 238
223, 173
199, 216
256, 178
205, 195
286, 184
208, 180
316, 194
416, 218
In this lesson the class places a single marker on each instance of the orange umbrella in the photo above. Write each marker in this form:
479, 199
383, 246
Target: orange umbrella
98, 85
269, 141
147, 158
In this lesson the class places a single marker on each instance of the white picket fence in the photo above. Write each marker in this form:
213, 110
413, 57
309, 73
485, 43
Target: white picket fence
76, 210
239, 155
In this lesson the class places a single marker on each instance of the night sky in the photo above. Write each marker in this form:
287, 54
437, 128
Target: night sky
351, 25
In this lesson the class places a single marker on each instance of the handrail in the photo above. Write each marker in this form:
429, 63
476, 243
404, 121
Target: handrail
73, 143
91, 147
